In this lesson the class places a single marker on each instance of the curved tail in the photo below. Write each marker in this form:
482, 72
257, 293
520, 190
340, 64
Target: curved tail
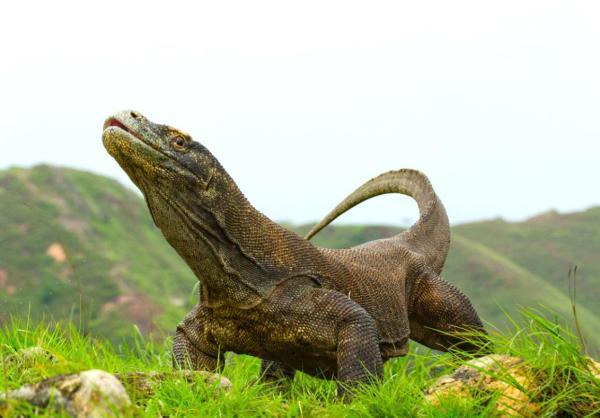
430, 236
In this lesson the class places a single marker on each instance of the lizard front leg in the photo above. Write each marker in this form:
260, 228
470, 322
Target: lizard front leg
192, 346
358, 353
328, 315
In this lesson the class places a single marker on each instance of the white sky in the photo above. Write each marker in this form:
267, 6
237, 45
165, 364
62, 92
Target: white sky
498, 102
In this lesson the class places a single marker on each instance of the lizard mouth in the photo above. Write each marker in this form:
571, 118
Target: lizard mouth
115, 123
118, 138
121, 141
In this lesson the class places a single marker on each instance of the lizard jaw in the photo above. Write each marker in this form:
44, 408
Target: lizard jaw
113, 124
110, 122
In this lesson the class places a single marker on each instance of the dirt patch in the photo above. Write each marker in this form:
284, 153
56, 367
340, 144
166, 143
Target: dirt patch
123, 206
36, 191
57, 252
73, 225
139, 308
9, 288
67, 218
23, 228
119, 272
3, 278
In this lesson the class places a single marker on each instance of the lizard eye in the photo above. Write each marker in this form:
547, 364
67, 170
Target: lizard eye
179, 143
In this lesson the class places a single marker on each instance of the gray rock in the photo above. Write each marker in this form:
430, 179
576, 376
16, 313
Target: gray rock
93, 393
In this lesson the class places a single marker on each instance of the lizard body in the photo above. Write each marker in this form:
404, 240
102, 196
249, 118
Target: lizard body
268, 292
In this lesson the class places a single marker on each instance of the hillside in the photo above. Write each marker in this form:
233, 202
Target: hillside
79, 246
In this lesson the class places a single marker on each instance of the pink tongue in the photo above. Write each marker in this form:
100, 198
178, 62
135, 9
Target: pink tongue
114, 122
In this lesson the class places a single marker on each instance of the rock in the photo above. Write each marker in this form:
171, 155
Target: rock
144, 383
28, 357
93, 393
478, 375
594, 367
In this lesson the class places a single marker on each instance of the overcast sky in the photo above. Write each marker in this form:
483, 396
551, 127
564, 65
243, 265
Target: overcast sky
498, 102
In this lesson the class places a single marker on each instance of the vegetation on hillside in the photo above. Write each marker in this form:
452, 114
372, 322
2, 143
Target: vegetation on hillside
80, 247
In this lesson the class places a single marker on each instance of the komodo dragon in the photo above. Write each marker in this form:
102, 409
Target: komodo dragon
267, 292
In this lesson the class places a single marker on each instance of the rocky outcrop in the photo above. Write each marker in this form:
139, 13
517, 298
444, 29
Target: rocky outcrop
93, 394
508, 376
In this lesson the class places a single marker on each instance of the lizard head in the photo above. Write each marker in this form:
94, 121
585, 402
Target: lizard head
178, 176
158, 156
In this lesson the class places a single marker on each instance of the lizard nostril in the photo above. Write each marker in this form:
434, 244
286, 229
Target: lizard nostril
135, 115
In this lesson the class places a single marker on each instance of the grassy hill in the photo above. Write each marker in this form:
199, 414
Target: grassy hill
79, 246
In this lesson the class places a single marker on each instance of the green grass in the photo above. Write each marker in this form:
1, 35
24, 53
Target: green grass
564, 385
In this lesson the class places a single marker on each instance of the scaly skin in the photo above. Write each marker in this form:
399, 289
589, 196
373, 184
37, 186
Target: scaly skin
267, 292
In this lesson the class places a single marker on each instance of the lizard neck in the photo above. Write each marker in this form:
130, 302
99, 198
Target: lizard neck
235, 251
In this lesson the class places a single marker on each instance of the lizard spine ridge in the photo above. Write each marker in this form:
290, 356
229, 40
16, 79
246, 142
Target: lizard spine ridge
430, 235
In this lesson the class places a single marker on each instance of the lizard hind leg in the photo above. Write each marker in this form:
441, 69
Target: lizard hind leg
442, 317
